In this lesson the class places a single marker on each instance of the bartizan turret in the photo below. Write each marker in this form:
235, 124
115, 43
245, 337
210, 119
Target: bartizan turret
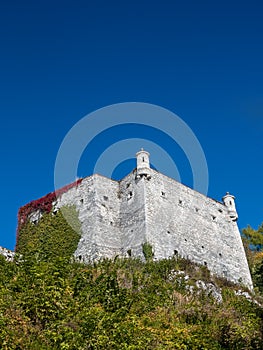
229, 201
143, 164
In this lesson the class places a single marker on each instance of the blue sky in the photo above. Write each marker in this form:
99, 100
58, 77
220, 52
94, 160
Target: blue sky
63, 60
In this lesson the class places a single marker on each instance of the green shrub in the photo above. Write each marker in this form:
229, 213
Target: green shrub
147, 251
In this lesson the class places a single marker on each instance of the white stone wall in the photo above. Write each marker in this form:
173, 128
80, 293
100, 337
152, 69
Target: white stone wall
182, 221
97, 203
132, 215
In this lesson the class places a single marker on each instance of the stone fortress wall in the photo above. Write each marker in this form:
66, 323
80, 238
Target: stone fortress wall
117, 217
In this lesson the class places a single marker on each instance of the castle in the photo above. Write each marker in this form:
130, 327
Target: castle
118, 217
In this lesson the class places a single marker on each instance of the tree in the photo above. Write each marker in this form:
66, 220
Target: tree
254, 237
253, 242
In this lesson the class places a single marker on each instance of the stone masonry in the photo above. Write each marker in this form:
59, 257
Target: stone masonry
117, 217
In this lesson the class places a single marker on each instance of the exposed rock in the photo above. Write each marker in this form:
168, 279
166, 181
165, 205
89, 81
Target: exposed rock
8, 254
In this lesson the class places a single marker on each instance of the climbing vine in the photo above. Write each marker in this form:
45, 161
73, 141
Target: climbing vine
43, 204
53, 236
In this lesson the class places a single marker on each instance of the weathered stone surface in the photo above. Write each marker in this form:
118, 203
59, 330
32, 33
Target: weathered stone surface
8, 254
147, 206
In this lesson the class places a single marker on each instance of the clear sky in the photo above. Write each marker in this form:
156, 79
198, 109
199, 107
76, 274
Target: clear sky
61, 60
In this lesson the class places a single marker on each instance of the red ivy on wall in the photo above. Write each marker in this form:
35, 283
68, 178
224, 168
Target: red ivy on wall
44, 204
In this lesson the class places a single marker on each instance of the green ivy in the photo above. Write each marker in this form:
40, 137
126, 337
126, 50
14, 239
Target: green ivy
55, 235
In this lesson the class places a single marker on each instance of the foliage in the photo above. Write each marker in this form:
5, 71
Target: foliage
49, 301
53, 236
122, 304
258, 276
147, 251
43, 204
253, 243
254, 237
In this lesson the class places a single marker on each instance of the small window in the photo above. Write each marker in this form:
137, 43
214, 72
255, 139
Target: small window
80, 257
185, 240
168, 232
111, 223
130, 194
180, 202
81, 201
196, 210
175, 252
163, 194
230, 202
202, 247
220, 255
128, 185
143, 159
213, 217
129, 252
220, 210
105, 198
205, 263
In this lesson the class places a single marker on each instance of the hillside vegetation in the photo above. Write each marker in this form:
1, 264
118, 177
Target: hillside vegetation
48, 301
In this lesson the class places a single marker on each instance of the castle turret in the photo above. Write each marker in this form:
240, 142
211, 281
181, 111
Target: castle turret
229, 202
143, 163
